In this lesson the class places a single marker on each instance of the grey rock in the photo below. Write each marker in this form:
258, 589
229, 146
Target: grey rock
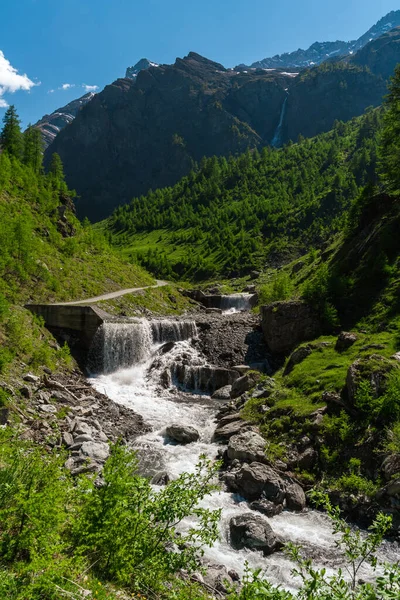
307, 459
257, 481
83, 437
182, 434
87, 468
225, 432
345, 340
217, 578
253, 532
295, 497
243, 384
297, 357
391, 466
161, 478
48, 408
393, 488
287, 324
247, 446
81, 428
223, 393
67, 439
267, 508
96, 450
31, 378
103, 437
69, 464
26, 391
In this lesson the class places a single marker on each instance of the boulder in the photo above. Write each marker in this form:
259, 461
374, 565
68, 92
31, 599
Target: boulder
247, 446
253, 532
267, 508
95, 450
287, 324
225, 432
257, 481
345, 340
297, 357
295, 497
217, 578
244, 383
374, 369
391, 466
223, 393
30, 378
161, 478
182, 434
307, 459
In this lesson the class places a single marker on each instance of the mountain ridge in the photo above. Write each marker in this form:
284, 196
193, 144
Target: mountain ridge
319, 52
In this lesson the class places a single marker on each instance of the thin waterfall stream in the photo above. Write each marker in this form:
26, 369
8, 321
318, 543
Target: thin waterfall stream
134, 363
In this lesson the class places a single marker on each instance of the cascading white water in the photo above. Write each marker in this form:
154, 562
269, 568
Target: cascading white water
236, 302
138, 387
277, 139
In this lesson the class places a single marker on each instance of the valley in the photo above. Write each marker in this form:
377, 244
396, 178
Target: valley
200, 389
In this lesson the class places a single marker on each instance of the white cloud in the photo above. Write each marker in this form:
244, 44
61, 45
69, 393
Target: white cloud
90, 88
67, 86
11, 81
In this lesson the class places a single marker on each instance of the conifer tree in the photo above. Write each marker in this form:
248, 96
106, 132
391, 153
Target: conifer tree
56, 172
11, 136
33, 148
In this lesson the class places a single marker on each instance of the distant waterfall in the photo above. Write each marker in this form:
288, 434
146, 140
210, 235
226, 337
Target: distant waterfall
123, 345
277, 139
236, 302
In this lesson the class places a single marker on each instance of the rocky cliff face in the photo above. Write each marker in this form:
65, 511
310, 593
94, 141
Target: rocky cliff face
146, 132
322, 51
341, 89
51, 125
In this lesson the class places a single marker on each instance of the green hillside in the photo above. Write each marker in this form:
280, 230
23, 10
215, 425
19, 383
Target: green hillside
228, 217
46, 254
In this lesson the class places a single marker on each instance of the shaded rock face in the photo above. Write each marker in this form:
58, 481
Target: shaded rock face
287, 324
345, 340
51, 125
193, 108
253, 532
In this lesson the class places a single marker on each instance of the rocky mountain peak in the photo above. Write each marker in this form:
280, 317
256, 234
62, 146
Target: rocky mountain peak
320, 52
142, 65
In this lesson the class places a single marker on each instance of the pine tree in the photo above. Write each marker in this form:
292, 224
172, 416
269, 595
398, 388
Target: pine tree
56, 172
389, 148
33, 148
11, 136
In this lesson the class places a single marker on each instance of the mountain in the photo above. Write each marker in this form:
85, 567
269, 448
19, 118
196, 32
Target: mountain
142, 65
321, 51
51, 125
146, 132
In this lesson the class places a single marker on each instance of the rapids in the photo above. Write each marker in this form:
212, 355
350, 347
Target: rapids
128, 361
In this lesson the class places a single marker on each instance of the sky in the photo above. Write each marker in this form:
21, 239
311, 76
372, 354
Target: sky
52, 51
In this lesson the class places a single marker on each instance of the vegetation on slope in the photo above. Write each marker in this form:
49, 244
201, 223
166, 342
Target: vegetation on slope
231, 216
46, 254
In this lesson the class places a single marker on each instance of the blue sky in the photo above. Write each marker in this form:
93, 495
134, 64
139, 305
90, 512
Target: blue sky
77, 43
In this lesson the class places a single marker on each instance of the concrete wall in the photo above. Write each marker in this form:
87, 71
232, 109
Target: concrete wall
84, 320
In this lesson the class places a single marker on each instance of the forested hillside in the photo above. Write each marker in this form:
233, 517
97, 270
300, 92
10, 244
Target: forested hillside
46, 254
229, 216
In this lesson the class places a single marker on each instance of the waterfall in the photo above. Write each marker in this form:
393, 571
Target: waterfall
236, 302
277, 139
122, 345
